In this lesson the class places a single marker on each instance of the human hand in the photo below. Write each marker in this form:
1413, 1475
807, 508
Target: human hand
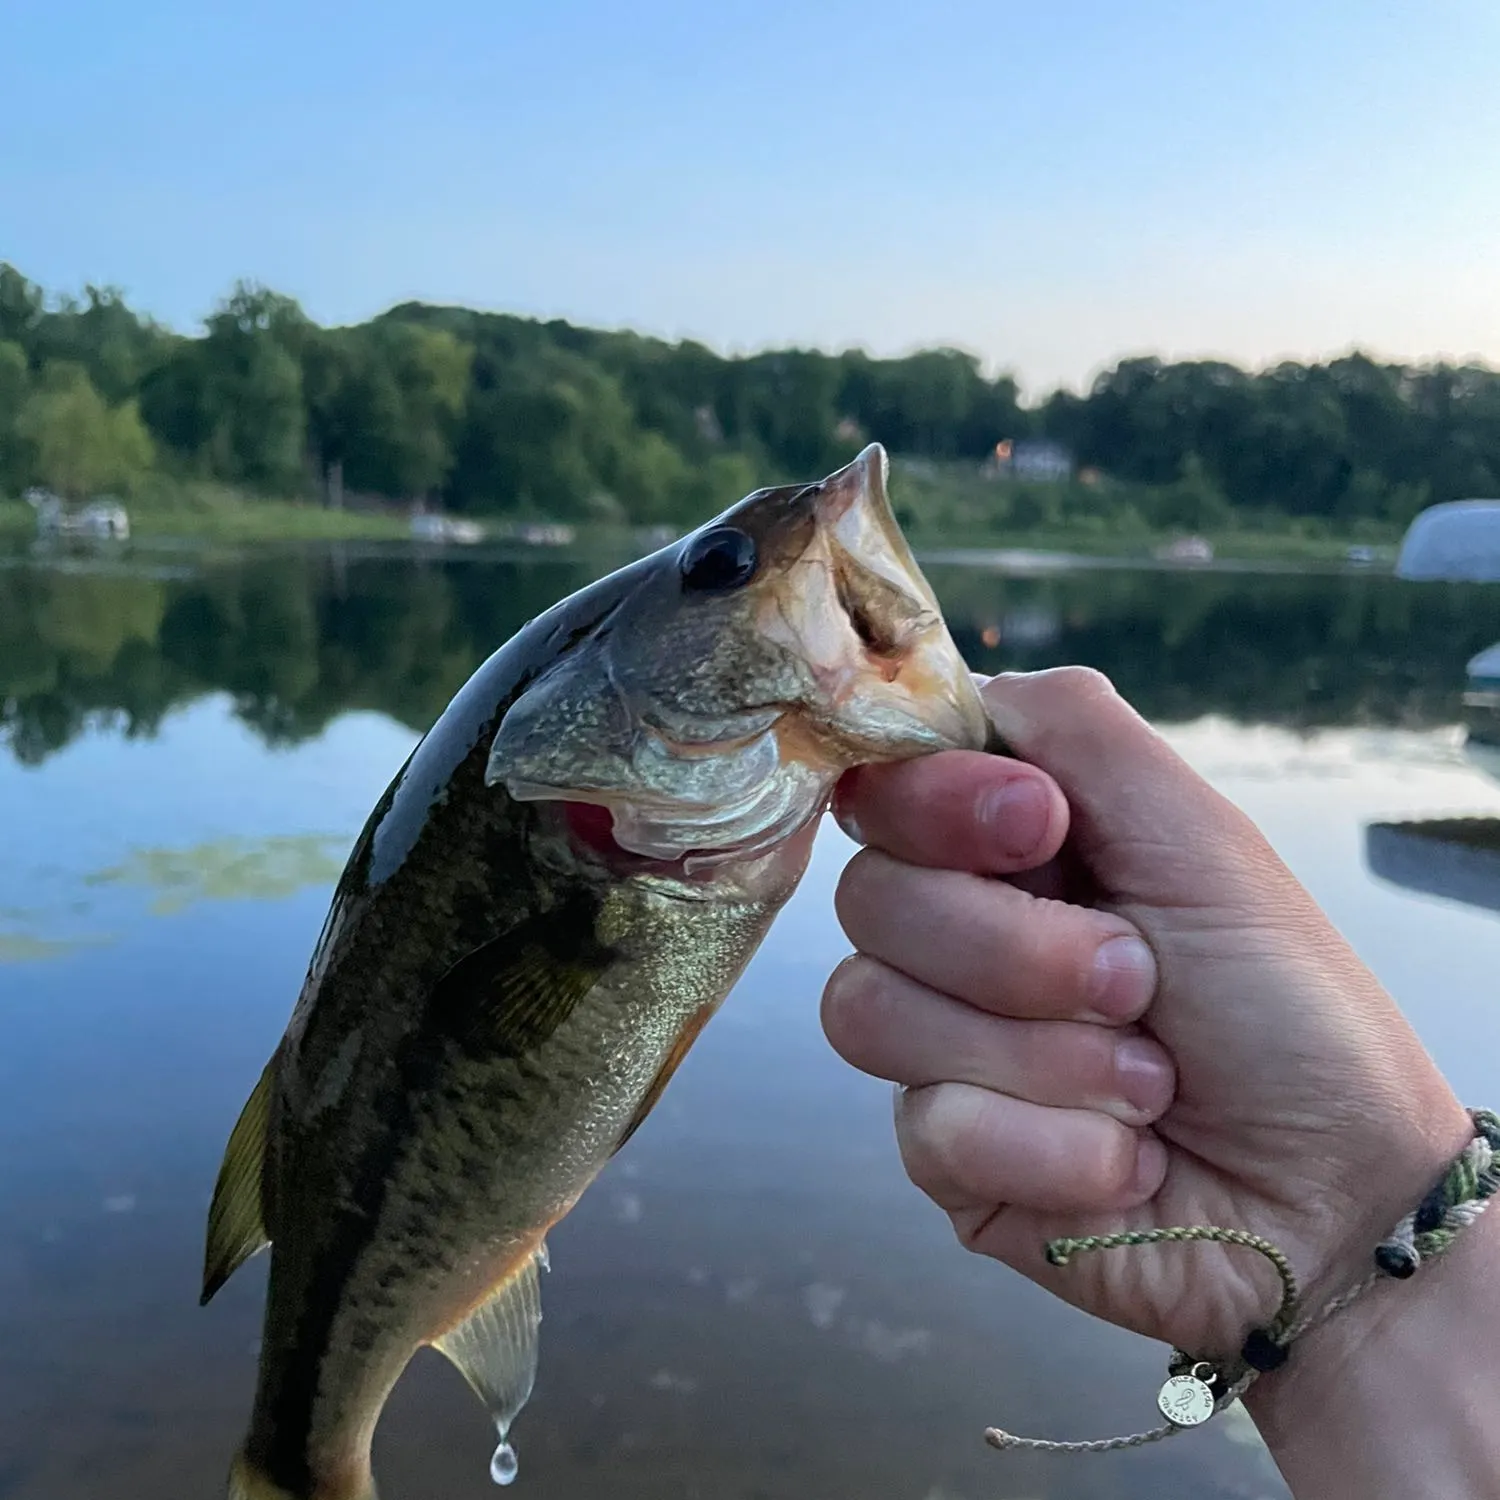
1113, 1007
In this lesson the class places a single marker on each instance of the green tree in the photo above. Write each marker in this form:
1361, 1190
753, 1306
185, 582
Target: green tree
329, 375
546, 435
102, 336
936, 403
15, 383
1194, 502
785, 405
177, 403
252, 378
81, 445
21, 304
391, 407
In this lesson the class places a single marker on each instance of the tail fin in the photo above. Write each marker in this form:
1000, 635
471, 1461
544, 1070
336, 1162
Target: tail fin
248, 1482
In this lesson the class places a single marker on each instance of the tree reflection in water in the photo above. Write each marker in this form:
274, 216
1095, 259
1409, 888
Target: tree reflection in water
295, 639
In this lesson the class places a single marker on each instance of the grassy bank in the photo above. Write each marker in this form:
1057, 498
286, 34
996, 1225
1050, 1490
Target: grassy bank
217, 513
269, 521
939, 510
1229, 546
952, 505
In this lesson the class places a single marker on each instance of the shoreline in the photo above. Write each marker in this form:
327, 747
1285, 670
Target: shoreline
276, 522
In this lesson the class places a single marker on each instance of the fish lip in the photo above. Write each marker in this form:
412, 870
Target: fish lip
863, 484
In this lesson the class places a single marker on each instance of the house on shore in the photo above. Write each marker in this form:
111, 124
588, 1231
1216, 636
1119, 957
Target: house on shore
1029, 458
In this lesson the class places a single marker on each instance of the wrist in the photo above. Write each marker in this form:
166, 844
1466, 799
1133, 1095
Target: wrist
1388, 1397
1405, 1157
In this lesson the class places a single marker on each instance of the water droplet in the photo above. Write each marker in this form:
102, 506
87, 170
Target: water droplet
504, 1466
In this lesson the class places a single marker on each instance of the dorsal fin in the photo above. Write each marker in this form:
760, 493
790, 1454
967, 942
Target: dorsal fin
495, 1350
236, 1220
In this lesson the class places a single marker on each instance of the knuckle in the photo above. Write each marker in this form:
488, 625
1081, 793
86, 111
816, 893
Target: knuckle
971, 1224
1092, 1062
855, 890
1043, 942
916, 1158
932, 1150
1066, 1062
846, 1001
995, 957
1084, 683
1108, 1160
955, 1138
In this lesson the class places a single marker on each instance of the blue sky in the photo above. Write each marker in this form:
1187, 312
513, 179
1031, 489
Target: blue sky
1052, 185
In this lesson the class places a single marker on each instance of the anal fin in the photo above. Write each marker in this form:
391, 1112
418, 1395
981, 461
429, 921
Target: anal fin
236, 1219
495, 1350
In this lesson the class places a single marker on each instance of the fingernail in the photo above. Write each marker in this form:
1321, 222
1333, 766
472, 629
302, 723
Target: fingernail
1150, 1168
1016, 814
844, 818
1143, 1075
1124, 978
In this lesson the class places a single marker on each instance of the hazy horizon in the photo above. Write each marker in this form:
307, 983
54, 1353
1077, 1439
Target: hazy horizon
1053, 190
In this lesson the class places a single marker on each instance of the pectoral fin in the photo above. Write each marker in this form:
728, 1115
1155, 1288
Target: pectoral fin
495, 1350
508, 996
236, 1221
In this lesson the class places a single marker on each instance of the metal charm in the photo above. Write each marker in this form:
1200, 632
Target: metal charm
1186, 1400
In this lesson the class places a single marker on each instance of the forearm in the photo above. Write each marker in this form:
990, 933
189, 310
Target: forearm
1394, 1398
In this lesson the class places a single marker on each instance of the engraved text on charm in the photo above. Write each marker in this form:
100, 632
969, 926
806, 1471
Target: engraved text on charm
1185, 1400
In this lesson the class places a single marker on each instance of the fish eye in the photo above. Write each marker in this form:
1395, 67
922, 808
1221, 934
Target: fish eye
717, 561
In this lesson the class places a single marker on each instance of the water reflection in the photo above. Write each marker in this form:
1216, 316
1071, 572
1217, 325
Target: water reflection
752, 1302
297, 639
1455, 858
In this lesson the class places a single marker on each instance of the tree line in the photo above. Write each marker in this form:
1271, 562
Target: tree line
500, 415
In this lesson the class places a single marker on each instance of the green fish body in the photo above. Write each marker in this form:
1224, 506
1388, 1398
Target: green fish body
551, 899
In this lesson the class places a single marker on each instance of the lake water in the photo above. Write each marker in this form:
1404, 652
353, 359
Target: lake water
752, 1301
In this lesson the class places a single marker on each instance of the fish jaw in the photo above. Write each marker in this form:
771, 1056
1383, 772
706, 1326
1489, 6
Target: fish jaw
891, 683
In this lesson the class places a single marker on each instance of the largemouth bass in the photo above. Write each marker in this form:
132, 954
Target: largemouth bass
546, 906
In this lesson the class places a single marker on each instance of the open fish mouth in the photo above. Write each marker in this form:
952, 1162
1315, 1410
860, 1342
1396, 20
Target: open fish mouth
894, 682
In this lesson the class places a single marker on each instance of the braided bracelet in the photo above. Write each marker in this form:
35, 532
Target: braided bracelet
1188, 1399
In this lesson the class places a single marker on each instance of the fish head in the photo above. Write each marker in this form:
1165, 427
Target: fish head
733, 676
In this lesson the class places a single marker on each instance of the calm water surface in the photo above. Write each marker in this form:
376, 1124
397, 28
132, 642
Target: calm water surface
752, 1302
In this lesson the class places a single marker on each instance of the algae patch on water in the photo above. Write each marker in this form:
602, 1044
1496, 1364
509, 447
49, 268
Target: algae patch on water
229, 869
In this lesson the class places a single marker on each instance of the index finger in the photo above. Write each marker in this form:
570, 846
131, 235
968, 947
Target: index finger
958, 810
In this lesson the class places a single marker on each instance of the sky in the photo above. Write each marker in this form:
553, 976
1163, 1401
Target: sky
1053, 185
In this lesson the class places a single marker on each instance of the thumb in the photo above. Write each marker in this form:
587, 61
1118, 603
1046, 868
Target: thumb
1147, 825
